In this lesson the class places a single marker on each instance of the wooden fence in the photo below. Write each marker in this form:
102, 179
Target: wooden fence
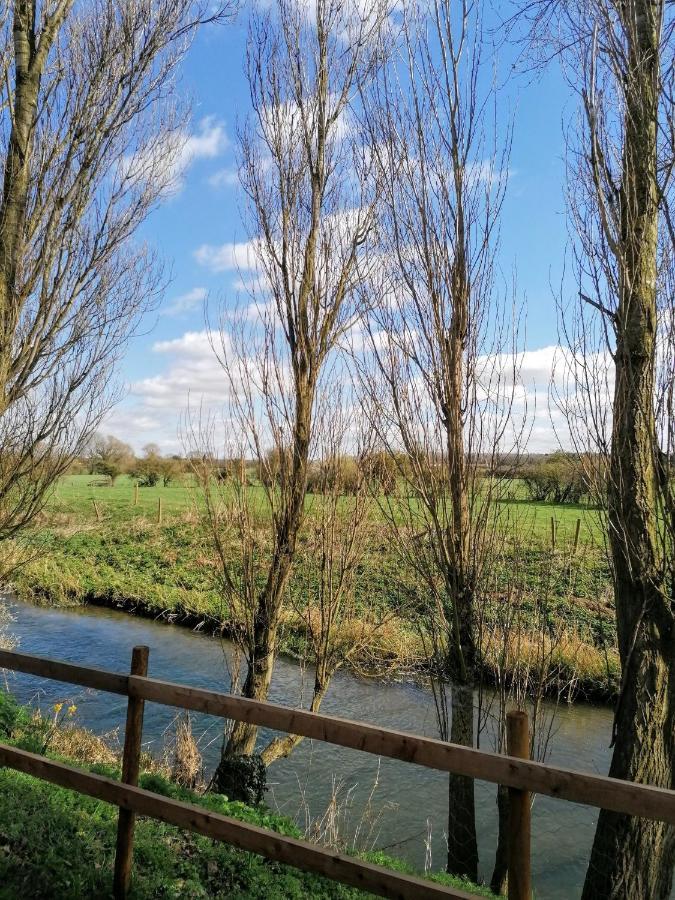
521, 775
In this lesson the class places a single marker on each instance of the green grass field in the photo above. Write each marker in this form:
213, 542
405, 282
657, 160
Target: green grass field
75, 494
94, 545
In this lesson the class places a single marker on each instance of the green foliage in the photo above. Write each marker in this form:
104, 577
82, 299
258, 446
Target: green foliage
12, 716
59, 844
379, 858
557, 478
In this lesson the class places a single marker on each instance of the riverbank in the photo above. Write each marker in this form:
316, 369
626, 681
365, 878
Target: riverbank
60, 844
105, 551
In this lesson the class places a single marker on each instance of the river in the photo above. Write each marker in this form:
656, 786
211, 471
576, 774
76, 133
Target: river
409, 802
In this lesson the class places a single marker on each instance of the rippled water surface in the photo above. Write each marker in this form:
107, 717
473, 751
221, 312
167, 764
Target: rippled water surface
409, 802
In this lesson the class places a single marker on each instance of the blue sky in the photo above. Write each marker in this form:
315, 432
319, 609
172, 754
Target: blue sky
195, 228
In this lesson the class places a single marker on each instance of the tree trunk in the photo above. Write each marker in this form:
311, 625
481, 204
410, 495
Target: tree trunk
15, 183
242, 739
263, 650
498, 882
282, 747
633, 857
462, 843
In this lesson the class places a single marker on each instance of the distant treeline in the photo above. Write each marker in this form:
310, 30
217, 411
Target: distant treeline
560, 477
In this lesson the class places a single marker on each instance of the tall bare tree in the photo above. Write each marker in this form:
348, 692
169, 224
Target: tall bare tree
309, 217
90, 140
443, 386
619, 59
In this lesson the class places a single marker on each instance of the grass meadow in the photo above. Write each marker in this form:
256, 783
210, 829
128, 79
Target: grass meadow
95, 544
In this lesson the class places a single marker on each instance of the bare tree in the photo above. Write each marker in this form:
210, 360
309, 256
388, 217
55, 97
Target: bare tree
90, 140
309, 217
339, 622
444, 380
621, 372
108, 455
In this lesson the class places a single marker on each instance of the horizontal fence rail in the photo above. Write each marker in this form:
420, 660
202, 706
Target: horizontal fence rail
565, 784
301, 854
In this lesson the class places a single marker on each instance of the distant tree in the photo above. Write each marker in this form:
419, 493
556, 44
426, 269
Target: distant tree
110, 456
380, 470
342, 474
148, 469
271, 466
170, 468
152, 449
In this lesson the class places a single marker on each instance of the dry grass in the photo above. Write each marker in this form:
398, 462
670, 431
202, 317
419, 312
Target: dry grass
82, 746
187, 766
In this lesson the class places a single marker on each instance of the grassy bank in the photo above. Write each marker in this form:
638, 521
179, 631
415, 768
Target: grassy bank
56, 843
93, 545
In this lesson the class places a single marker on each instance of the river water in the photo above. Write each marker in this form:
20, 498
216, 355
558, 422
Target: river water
408, 808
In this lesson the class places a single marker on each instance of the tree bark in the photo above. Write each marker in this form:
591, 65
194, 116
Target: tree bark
30, 55
15, 183
631, 857
462, 842
498, 882
242, 738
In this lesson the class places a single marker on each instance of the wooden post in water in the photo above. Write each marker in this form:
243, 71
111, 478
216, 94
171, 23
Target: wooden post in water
576, 536
136, 493
519, 877
131, 761
159, 511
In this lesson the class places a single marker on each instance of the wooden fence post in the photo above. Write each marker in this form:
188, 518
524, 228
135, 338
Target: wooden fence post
131, 761
96, 509
159, 511
552, 532
519, 877
136, 494
576, 536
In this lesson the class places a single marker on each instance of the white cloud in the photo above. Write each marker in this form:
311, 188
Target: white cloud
209, 142
227, 177
166, 161
186, 302
238, 257
193, 372
188, 374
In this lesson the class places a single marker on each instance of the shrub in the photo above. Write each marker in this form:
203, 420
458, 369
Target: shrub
270, 468
380, 469
343, 474
558, 478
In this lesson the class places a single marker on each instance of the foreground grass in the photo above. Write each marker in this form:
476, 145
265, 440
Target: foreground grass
59, 844
114, 553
